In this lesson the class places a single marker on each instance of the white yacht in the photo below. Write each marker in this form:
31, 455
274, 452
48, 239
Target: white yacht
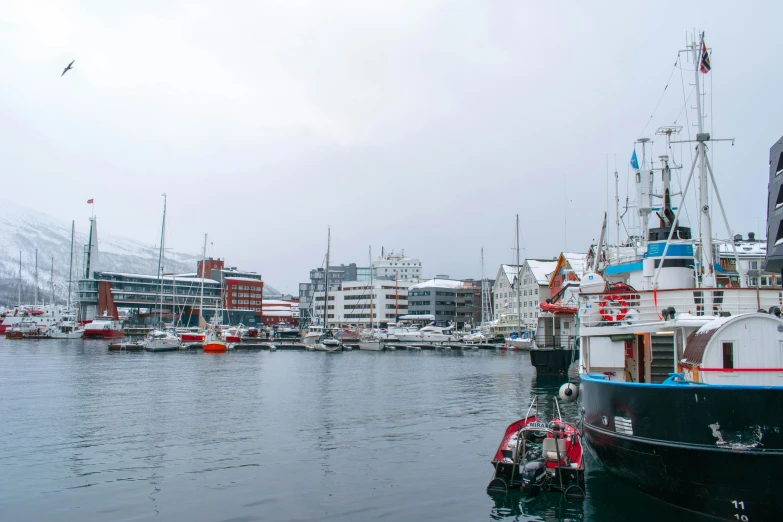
436, 331
161, 341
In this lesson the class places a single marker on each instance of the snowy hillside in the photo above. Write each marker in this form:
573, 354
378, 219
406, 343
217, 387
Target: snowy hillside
23, 229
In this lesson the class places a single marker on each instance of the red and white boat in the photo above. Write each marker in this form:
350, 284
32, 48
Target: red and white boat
215, 341
538, 456
191, 336
103, 328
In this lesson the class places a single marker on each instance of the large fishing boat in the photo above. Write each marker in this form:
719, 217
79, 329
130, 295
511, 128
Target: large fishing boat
681, 363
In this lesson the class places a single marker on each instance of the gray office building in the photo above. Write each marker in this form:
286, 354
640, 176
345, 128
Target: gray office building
446, 300
337, 275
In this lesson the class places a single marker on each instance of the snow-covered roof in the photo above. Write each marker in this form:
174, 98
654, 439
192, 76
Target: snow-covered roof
577, 262
233, 278
510, 272
184, 279
756, 249
542, 270
438, 283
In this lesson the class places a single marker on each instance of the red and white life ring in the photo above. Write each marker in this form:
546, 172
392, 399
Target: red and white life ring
613, 308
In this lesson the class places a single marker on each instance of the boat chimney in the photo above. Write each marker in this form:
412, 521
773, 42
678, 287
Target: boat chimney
751, 236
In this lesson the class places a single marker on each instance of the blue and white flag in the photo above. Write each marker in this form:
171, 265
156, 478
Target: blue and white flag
634, 161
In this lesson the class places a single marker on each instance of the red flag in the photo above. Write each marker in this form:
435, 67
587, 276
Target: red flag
89, 201
704, 67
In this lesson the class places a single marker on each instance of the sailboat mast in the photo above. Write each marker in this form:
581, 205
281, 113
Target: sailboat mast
705, 228
159, 299
51, 280
36, 277
326, 279
483, 291
519, 314
203, 269
70, 265
20, 279
372, 288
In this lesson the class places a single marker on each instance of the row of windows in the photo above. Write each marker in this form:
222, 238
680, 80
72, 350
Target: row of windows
245, 287
246, 302
418, 293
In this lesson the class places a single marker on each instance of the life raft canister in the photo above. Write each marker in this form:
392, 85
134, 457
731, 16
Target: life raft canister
613, 308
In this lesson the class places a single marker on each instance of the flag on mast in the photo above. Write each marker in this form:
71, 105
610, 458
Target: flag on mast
90, 201
704, 67
634, 161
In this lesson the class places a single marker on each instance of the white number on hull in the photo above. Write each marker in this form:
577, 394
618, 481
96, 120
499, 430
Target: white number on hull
739, 504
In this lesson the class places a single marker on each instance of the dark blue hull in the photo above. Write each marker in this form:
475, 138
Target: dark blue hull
715, 450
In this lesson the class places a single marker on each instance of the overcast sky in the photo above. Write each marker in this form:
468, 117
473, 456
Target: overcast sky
421, 125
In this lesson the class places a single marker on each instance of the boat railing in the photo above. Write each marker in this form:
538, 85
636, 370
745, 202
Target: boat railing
632, 307
564, 342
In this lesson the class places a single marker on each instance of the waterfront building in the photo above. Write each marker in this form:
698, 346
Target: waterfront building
752, 268
445, 300
278, 311
397, 265
349, 303
504, 291
177, 296
564, 282
337, 275
534, 280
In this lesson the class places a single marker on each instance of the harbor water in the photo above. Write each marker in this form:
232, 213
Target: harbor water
90, 435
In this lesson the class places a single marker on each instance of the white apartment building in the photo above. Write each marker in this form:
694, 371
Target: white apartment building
504, 291
349, 306
534, 277
387, 266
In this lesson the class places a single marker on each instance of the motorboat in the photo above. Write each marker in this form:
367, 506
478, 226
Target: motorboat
538, 456
103, 328
286, 331
161, 341
524, 341
474, 336
314, 332
327, 343
436, 331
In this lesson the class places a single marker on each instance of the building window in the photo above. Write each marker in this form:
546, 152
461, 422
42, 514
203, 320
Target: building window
728, 355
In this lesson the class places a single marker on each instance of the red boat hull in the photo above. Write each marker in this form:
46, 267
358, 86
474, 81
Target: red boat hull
233, 339
192, 337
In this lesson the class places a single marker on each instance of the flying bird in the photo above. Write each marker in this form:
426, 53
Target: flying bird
70, 66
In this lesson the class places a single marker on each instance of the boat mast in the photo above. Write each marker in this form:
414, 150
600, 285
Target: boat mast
70, 265
20, 280
483, 291
51, 280
372, 288
519, 313
36, 278
705, 224
159, 298
203, 269
326, 280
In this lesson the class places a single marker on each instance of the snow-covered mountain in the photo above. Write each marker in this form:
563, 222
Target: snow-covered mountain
23, 230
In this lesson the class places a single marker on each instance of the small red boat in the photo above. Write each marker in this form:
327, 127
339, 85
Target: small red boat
539, 456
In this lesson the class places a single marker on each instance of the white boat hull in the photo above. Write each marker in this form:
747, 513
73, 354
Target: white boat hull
371, 346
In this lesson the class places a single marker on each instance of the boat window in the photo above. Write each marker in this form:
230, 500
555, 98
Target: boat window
728, 355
